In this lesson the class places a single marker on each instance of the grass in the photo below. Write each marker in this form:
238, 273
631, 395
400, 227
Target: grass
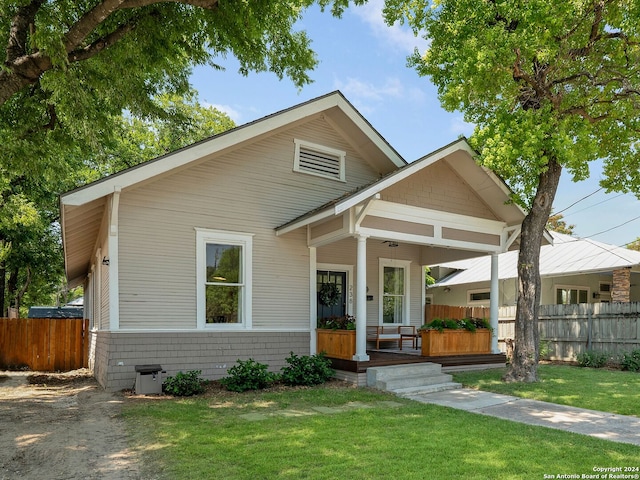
365, 435
596, 389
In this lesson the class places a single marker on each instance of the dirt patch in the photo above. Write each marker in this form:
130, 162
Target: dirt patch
62, 426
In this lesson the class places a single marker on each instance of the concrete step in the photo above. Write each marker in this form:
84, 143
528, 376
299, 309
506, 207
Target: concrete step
422, 390
375, 374
412, 381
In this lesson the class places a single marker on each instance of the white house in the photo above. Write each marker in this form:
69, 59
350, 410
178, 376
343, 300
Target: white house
217, 252
572, 270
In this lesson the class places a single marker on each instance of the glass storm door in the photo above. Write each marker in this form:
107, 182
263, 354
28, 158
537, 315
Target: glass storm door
331, 293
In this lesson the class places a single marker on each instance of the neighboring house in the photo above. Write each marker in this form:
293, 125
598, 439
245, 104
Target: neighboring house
67, 311
572, 270
218, 251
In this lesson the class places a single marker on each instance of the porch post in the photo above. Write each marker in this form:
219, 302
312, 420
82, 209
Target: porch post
361, 300
493, 303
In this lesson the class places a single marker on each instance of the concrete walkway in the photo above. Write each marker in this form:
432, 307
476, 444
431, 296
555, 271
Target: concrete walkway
608, 426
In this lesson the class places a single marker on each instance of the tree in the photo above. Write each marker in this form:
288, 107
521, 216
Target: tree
556, 223
635, 245
550, 86
72, 68
31, 264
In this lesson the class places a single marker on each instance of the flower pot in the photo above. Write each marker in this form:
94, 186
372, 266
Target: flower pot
337, 343
455, 342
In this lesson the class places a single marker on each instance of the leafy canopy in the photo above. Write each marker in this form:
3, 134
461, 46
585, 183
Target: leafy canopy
540, 79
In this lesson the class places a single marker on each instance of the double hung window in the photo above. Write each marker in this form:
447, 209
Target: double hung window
224, 278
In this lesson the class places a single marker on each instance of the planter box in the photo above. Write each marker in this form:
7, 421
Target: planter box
337, 343
455, 342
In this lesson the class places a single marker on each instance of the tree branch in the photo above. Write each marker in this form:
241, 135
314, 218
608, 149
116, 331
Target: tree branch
19, 32
102, 43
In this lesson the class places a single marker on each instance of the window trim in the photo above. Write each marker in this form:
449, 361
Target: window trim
301, 144
245, 240
406, 306
570, 287
478, 302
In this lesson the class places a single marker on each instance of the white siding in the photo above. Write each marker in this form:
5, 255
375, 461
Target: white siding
251, 190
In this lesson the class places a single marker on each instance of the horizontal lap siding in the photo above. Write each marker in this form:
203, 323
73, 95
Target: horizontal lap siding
250, 190
344, 252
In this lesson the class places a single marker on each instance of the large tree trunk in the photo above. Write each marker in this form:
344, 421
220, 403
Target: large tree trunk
524, 363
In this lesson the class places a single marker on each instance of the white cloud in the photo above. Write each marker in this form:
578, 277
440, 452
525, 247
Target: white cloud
235, 115
398, 36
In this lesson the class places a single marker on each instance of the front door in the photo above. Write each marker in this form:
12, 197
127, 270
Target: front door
331, 288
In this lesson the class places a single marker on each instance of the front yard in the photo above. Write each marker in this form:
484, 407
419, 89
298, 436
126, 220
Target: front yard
337, 432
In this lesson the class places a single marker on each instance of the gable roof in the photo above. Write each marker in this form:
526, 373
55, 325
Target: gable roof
460, 157
567, 256
83, 209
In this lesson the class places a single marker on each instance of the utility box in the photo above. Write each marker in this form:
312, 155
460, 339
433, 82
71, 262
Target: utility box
149, 379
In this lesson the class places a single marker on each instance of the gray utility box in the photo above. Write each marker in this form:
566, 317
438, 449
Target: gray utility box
149, 379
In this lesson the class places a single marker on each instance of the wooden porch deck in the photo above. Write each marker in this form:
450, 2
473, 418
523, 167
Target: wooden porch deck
379, 358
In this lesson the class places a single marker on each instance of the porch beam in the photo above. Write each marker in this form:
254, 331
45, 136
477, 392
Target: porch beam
361, 300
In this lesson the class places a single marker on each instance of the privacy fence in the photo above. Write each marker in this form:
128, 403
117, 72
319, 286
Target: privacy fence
44, 344
567, 330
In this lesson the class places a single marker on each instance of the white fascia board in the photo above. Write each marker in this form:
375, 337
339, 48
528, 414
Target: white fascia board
402, 174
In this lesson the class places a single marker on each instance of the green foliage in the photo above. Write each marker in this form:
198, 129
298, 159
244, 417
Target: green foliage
248, 375
346, 322
306, 370
557, 224
471, 324
631, 361
592, 358
544, 348
184, 384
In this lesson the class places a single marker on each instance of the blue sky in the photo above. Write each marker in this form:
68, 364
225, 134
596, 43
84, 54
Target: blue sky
366, 60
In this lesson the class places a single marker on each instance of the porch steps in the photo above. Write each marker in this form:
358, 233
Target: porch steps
411, 379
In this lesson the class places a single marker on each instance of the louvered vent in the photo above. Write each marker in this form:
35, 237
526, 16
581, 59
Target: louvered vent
318, 160
319, 163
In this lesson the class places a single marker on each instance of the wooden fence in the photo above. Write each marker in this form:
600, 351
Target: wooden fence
44, 344
567, 330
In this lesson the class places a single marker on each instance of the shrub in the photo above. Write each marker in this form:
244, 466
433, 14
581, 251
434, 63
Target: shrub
346, 322
306, 370
544, 349
248, 375
184, 384
593, 359
631, 361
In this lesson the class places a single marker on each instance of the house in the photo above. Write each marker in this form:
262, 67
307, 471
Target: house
218, 251
572, 270
66, 311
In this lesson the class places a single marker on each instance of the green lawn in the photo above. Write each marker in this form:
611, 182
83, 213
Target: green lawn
339, 432
597, 389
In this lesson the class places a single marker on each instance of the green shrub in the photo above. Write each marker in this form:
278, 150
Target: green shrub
306, 370
248, 375
631, 361
184, 384
592, 358
544, 349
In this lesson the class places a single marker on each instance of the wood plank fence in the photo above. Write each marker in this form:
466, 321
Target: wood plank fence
44, 344
567, 330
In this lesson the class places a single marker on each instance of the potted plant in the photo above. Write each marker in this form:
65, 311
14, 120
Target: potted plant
337, 336
442, 337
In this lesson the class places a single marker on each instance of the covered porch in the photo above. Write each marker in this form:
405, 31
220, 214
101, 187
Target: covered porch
374, 244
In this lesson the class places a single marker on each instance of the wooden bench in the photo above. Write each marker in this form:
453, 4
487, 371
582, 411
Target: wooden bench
392, 333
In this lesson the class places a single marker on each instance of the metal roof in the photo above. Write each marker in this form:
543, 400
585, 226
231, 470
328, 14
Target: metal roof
567, 256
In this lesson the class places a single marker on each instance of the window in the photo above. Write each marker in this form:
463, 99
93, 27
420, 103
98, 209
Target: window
478, 296
224, 279
318, 160
394, 285
571, 295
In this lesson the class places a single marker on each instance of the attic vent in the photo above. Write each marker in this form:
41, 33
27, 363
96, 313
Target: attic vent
318, 160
